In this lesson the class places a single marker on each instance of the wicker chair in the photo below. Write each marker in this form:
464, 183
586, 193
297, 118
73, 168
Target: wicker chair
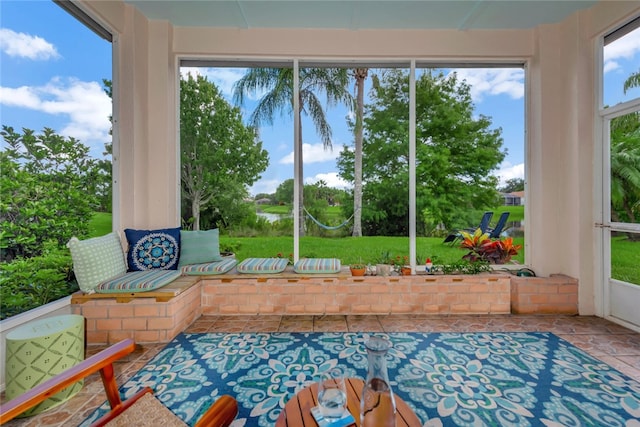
142, 409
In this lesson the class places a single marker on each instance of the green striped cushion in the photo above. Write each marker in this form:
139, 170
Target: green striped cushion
262, 265
317, 265
138, 281
207, 268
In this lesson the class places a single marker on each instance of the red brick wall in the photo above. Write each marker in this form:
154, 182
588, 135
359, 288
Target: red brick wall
474, 294
143, 319
557, 294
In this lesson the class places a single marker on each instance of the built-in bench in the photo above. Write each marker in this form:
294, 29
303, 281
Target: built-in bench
158, 316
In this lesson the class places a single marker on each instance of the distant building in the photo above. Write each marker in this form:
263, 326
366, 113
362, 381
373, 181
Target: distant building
513, 199
264, 201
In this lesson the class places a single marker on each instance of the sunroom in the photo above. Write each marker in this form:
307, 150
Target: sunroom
569, 225
559, 45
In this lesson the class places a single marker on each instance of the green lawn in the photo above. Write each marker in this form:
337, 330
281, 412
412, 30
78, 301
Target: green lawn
100, 224
348, 249
275, 209
516, 213
625, 259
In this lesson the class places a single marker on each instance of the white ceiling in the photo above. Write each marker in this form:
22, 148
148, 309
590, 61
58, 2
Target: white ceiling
361, 14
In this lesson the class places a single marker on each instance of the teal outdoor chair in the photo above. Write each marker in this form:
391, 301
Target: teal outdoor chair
494, 233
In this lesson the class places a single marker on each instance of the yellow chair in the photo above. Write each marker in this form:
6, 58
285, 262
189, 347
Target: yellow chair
141, 409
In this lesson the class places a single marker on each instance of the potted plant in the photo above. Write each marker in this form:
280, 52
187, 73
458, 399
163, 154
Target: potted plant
383, 264
358, 269
400, 265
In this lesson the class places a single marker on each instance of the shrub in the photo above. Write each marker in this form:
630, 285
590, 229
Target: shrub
47, 189
27, 283
462, 267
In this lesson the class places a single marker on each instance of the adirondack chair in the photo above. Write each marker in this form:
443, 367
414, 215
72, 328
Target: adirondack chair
494, 233
141, 406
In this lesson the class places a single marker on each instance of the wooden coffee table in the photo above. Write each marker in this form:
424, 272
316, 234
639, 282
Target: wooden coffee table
297, 411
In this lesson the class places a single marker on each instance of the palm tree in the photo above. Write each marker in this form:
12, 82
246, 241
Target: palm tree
278, 85
625, 178
625, 163
360, 74
632, 81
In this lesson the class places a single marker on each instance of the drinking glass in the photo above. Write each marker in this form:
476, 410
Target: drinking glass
332, 394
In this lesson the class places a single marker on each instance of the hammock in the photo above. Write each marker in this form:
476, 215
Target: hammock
327, 227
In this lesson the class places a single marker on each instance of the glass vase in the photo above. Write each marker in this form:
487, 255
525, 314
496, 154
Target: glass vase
377, 405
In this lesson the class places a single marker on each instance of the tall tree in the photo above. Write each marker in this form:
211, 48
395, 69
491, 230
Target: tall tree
277, 83
512, 185
284, 192
456, 153
360, 74
220, 155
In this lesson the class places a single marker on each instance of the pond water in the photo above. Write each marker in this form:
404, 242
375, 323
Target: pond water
271, 217
514, 229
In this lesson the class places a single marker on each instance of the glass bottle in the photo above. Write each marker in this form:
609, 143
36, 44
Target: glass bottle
377, 405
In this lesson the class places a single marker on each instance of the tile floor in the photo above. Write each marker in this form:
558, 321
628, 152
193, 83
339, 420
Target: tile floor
609, 342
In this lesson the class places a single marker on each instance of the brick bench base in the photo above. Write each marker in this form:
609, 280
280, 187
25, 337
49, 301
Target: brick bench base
144, 317
466, 294
556, 294
161, 315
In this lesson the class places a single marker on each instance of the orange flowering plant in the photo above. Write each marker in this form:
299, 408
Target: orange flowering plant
482, 248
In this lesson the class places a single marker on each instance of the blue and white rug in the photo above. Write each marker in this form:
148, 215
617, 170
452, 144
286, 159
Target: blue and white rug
449, 379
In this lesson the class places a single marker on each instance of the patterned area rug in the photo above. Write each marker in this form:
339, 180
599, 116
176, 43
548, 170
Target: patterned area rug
449, 379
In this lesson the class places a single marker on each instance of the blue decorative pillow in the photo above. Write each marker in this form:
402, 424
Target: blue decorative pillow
153, 249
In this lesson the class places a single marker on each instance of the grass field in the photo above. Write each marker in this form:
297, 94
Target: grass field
100, 224
349, 249
625, 259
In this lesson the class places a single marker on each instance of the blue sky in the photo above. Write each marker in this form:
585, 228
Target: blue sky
52, 66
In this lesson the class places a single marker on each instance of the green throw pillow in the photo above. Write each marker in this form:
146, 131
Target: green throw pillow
199, 247
96, 260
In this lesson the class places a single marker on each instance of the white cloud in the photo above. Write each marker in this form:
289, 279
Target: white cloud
624, 48
26, 46
508, 171
268, 186
610, 66
314, 153
493, 81
224, 79
85, 104
331, 179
